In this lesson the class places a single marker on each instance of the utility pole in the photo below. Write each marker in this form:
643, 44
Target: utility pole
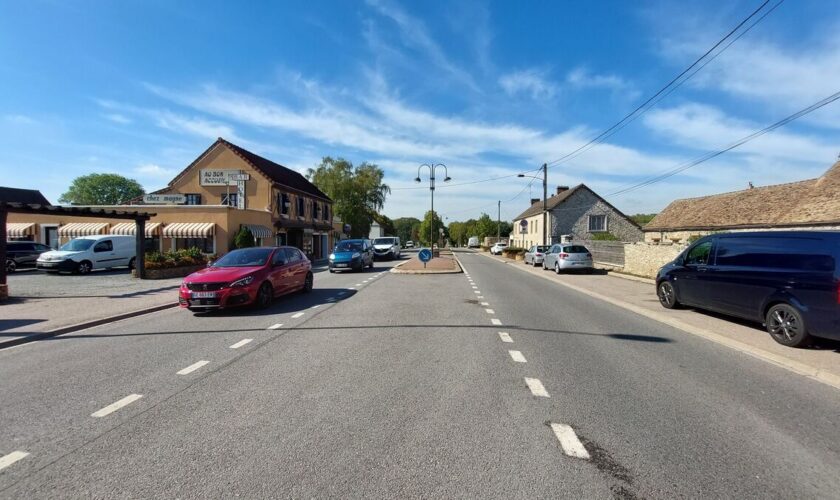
545, 195
432, 167
499, 224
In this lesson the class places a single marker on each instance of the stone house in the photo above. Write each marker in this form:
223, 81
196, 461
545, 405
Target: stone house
578, 212
808, 204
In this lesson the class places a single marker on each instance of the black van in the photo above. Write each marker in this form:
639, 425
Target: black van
788, 280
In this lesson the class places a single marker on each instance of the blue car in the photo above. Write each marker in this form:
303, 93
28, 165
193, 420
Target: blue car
351, 255
787, 280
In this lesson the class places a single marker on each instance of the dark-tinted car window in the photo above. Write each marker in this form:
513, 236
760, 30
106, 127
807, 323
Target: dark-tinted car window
555, 249
42, 248
802, 254
293, 255
279, 257
575, 249
699, 255
104, 246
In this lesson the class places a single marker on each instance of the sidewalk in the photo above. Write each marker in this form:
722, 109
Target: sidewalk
821, 362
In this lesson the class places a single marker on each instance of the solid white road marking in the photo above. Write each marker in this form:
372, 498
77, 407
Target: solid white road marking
495, 321
536, 387
193, 367
11, 458
275, 326
490, 311
241, 343
505, 337
297, 315
517, 356
111, 408
569, 441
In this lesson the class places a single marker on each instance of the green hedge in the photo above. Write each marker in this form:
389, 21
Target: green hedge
178, 258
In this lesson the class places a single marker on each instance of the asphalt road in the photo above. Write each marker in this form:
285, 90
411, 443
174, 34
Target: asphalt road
383, 385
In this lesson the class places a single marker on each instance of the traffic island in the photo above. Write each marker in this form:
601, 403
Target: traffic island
438, 265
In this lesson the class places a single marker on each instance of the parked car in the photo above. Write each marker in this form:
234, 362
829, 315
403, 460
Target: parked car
351, 255
23, 254
565, 257
82, 255
387, 248
247, 276
409, 244
535, 254
787, 280
473, 242
498, 248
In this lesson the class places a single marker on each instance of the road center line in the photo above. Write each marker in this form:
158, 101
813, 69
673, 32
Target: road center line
517, 356
297, 315
536, 387
11, 458
275, 326
505, 337
490, 311
495, 321
569, 441
111, 408
241, 343
193, 367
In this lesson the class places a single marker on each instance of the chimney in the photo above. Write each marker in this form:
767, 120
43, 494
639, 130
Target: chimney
560, 189
534, 200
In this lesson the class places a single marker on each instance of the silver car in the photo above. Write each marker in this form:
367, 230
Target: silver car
567, 257
535, 254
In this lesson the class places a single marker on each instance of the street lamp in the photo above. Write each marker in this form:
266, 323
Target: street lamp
544, 168
432, 167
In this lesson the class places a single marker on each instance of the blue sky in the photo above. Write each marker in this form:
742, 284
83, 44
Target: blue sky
488, 88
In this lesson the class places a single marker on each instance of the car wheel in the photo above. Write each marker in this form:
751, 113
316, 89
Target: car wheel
667, 295
557, 267
264, 296
786, 326
545, 268
132, 263
84, 267
332, 270
307, 283
10, 266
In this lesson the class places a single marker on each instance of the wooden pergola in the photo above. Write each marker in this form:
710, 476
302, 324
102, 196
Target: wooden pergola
139, 219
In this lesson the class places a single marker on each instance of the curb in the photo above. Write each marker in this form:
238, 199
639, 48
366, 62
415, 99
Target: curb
777, 359
4, 344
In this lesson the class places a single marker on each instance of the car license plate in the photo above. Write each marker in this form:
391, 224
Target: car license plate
341, 265
204, 295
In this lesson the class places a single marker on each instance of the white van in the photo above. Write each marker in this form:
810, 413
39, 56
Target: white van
473, 242
82, 255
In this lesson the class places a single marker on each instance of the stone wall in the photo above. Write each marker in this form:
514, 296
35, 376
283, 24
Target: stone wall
682, 237
572, 217
643, 259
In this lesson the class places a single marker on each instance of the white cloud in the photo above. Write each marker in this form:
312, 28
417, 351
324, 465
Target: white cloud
583, 78
155, 171
195, 126
118, 118
20, 119
532, 82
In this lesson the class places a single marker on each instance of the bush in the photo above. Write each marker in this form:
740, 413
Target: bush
515, 250
244, 238
693, 238
604, 237
179, 258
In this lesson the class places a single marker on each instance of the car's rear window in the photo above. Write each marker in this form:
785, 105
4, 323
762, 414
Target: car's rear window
575, 249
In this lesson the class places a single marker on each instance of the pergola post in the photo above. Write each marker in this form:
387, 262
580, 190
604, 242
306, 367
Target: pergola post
140, 254
3, 218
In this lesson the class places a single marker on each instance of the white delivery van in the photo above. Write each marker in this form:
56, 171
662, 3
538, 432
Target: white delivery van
473, 242
82, 255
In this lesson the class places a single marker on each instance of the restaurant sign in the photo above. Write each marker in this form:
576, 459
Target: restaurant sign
164, 199
210, 177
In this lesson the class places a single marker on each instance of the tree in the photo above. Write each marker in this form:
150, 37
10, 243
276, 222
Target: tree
426, 226
642, 219
358, 192
101, 189
244, 238
386, 224
407, 228
485, 226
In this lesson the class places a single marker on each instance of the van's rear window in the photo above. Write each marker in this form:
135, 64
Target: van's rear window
800, 254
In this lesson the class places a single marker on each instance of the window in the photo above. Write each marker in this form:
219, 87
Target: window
230, 199
802, 254
301, 207
279, 258
203, 244
104, 246
699, 255
293, 255
193, 199
597, 223
283, 203
326, 212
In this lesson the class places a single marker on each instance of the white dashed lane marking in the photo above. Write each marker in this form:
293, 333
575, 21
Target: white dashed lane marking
481, 296
476, 291
485, 304
193, 367
111, 408
297, 315
569, 441
274, 327
505, 337
517, 356
536, 387
11, 458
490, 311
495, 321
358, 284
241, 343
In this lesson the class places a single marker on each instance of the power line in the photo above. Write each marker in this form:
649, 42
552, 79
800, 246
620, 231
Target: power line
708, 156
642, 108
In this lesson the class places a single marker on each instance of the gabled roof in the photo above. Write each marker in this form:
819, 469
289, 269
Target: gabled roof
25, 196
803, 203
273, 171
550, 203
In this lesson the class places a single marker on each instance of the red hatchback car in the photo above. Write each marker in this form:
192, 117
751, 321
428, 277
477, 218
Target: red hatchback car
247, 276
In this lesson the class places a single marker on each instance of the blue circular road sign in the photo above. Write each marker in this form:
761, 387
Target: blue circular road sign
425, 255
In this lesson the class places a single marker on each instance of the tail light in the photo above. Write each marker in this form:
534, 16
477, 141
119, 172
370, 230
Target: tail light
562, 256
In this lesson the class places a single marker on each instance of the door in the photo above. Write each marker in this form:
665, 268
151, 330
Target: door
104, 255
551, 257
690, 279
51, 237
297, 268
33, 251
279, 271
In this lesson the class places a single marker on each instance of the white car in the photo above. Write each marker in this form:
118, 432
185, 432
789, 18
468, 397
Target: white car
498, 248
409, 244
81, 255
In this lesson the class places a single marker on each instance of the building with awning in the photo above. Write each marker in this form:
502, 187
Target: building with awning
259, 232
76, 229
20, 230
129, 229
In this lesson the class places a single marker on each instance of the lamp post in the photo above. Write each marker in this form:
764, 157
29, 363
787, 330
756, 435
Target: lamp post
432, 167
544, 168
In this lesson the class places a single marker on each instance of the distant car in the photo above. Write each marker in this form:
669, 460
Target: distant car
788, 280
351, 255
535, 254
498, 248
409, 244
473, 242
564, 257
387, 248
247, 276
84, 254
23, 254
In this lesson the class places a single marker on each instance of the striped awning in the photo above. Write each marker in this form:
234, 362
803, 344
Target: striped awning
75, 229
189, 230
128, 229
20, 229
259, 231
